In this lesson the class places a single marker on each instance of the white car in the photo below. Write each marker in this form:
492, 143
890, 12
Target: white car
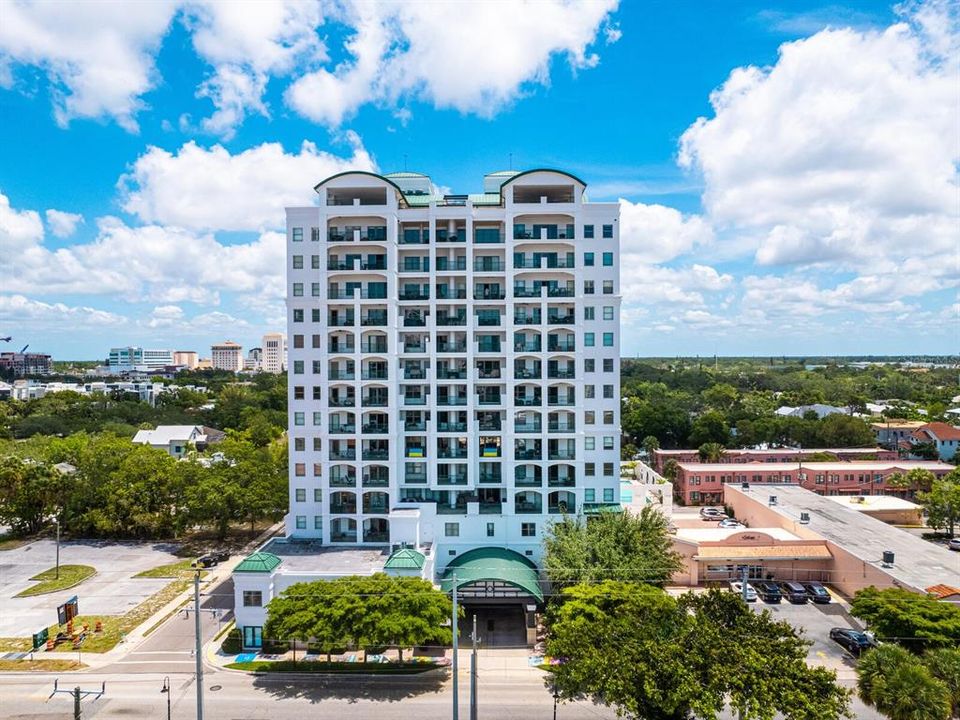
731, 523
954, 544
709, 513
737, 587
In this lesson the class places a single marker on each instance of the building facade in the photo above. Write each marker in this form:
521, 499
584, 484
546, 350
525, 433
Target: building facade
772, 455
704, 483
227, 356
19, 364
945, 438
254, 361
134, 358
274, 353
185, 358
454, 361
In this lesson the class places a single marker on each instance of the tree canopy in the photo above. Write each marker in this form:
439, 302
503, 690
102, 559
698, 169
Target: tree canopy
618, 546
912, 620
653, 657
942, 502
904, 686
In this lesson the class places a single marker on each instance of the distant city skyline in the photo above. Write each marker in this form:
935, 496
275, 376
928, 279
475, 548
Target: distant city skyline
773, 202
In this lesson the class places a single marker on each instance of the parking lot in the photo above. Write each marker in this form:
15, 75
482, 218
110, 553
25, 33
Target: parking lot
112, 591
816, 621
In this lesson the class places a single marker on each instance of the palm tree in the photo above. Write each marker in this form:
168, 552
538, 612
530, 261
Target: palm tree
711, 452
944, 665
893, 680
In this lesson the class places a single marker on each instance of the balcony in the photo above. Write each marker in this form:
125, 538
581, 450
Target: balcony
341, 348
488, 320
348, 401
414, 347
343, 508
452, 453
489, 347
334, 264
527, 508
375, 319
414, 425
560, 426
452, 400
526, 292
561, 401
564, 292
337, 321
490, 400
374, 375
451, 320
451, 347
415, 477
348, 454
375, 428
525, 373
414, 237
374, 401
457, 427
414, 321
348, 536
484, 236
342, 481
491, 508
448, 293
489, 265
450, 374
448, 265
492, 374
376, 454
374, 233
562, 507
529, 346
490, 425
451, 509
489, 294
413, 295
564, 481
414, 373
414, 265
377, 536
414, 400
445, 236
341, 375
562, 319
530, 454
527, 481
528, 319
345, 429
562, 454
527, 427
554, 345
561, 374
449, 480
491, 478
528, 401
355, 293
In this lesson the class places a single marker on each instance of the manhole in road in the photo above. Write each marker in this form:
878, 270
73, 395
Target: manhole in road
214, 688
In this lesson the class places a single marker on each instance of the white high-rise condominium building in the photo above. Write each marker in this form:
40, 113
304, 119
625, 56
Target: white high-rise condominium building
454, 361
274, 352
227, 356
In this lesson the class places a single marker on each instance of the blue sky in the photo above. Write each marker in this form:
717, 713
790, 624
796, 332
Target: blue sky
787, 173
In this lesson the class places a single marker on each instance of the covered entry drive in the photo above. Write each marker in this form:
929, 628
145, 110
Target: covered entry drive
502, 588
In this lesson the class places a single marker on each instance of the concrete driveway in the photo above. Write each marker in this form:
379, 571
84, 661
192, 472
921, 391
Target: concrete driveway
112, 591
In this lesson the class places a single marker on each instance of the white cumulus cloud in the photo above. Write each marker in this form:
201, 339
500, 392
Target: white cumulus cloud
21, 310
63, 224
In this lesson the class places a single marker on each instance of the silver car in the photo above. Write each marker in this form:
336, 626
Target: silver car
737, 587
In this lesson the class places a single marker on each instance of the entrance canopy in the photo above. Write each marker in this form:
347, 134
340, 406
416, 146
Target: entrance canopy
493, 565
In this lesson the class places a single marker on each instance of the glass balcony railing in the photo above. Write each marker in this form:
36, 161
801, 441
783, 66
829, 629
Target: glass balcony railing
374, 375
451, 480
490, 425
374, 401
527, 481
489, 294
376, 454
341, 348
561, 454
414, 347
491, 374
414, 295
562, 319
530, 454
560, 292
562, 426
525, 373
374, 320
489, 265
561, 401
526, 508
491, 508
448, 265
414, 425
342, 375
455, 400
335, 264
375, 428
375, 481
451, 347
490, 477
346, 429
561, 508
421, 265
554, 345
448, 293
414, 373
350, 454
343, 508
457, 427
339, 321
450, 374
529, 346
532, 319
527, 401
527, 427
561, 374
341, 481
526, 292
488, 321
452, 453
414, 477
451, 509
348, 401
414, 237
451, 320
562, 482
414, 400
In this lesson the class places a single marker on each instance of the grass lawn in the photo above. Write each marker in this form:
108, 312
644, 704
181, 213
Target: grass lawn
15, 644
8, 542
338, 668
180, 569
47, 581
26, 665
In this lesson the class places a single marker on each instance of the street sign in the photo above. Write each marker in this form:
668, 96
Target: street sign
68, 611
40, 638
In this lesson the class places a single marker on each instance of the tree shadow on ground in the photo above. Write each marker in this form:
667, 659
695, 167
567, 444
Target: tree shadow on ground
315, 688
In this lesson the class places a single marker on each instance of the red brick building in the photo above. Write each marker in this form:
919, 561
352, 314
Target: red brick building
774, 455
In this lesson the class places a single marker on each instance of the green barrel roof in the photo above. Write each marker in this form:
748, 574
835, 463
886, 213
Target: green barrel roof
493, 563
262, 562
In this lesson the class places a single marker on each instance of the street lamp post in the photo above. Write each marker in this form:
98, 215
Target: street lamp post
166, 689
56, 522
556, 697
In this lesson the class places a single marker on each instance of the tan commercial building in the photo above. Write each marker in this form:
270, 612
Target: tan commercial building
274, 349
186, 358
227, 356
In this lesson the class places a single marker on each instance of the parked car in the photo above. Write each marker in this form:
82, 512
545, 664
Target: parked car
954, 544
794, 592
219, 555
817, 592
853, 641
769, 592
731, 523
737, 587
711, 513
205, 561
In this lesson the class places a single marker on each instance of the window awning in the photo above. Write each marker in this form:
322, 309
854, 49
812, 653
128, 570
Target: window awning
764, 552
493, 564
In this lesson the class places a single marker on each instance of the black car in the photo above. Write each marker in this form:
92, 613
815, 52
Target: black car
794, 592
854, 641
817, 593
768, 591
219, 555
205, 561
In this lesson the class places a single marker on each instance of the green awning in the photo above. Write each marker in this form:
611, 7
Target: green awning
493, 564
261, 562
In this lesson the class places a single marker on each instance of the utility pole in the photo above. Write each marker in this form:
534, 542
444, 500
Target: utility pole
456, 648
78, 695
199, 643
473, 672
57, 523
76, 703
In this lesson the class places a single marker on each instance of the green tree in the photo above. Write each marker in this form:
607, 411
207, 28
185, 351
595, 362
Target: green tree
944, 665
620, 546
650, 656
711, 452
918, 479
670, 468
649, 445
711, 427
942, 503
912, 620
29, 494
896, 683
721, 396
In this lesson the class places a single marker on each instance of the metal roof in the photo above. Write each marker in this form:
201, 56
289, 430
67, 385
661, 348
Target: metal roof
259, 562
405, 174
405, 559
493, 564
